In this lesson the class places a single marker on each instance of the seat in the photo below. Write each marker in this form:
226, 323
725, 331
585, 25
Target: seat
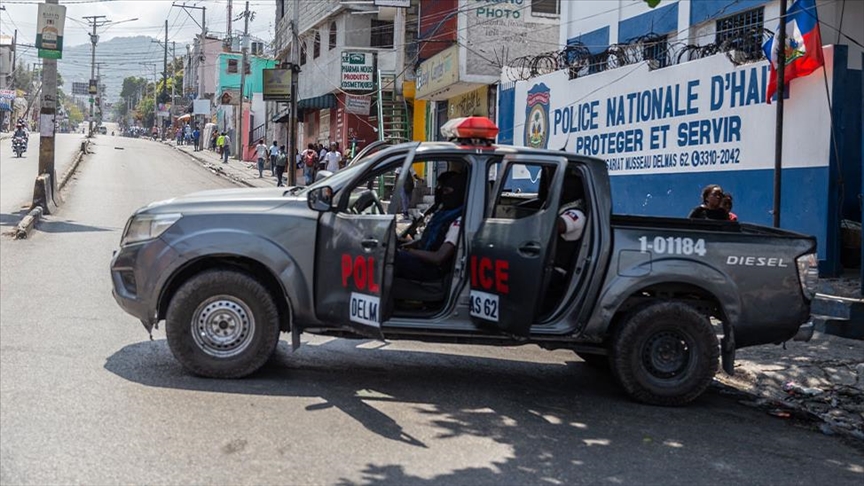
418, 290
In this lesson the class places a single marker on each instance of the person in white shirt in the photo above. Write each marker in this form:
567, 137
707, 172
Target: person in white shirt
334, 158
274, 154
261, 152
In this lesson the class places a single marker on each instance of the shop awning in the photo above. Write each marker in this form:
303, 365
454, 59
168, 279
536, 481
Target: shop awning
318, 103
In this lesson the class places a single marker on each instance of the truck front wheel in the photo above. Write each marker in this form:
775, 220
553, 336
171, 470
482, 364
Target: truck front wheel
222, 324
665, 354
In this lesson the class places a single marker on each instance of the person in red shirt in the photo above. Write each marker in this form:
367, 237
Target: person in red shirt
727, 205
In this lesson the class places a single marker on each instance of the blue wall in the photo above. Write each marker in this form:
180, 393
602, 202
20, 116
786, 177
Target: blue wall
657, 21
596, 41
506, 105
702, 10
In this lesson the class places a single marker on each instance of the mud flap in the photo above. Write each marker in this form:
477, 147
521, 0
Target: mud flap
727, 349
148, 326
295, 337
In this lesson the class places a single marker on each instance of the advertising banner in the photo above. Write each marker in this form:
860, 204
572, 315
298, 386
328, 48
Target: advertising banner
438, 72
277, 84
358, 105
201, 107
50, 22
358, 71
7, 99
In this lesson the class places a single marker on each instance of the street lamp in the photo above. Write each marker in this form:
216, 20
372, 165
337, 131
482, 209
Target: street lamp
98, 21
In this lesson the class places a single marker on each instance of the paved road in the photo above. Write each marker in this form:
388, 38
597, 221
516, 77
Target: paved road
87, 398
17, 176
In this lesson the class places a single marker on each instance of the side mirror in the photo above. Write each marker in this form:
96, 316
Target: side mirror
320, 199
322, 174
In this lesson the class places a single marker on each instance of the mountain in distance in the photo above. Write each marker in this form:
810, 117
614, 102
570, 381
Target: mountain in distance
120, 58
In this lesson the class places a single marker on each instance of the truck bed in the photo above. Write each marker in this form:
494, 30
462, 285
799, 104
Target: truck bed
627, 221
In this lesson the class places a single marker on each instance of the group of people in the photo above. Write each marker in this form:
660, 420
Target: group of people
316, 157
716, 204
276, 156
188, 135
220, 143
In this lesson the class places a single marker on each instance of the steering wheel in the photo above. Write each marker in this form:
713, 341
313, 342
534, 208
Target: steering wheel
366, 199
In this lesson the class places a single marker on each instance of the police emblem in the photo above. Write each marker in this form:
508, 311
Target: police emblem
537, 117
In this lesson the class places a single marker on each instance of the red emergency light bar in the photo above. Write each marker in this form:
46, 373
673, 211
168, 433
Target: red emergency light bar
472, 127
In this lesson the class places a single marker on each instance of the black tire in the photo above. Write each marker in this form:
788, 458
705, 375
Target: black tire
595, 361
665, 354
222, 324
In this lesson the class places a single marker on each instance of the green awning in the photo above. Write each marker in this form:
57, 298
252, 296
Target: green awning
318, 103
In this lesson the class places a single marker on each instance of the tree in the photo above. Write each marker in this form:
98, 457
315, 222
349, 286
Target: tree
652, 3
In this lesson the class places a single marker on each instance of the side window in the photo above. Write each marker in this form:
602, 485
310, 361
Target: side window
523, 191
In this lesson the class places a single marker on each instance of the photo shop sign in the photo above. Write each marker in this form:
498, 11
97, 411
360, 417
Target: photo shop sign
701, 115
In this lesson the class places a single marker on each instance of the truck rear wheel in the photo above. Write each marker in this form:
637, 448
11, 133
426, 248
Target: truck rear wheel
665, 354
222, 324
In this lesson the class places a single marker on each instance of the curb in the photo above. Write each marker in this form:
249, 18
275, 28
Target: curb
26, 225
212, 167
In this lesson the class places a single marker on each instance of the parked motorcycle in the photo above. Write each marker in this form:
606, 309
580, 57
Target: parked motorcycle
19, 146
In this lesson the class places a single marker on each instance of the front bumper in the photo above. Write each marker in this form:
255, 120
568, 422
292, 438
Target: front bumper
137, 272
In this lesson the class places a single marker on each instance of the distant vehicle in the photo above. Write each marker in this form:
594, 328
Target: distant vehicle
229, 270
19, 146
103, 130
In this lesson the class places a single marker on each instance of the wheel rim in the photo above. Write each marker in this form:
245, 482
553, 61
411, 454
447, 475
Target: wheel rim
223, 326
667, 354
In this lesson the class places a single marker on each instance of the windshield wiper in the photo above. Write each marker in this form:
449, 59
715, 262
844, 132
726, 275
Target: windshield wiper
294, 190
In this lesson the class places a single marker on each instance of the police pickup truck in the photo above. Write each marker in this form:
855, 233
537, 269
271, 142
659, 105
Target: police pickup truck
657, 300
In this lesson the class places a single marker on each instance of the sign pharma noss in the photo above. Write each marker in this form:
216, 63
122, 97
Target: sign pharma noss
277, 84
49, 30
358, 70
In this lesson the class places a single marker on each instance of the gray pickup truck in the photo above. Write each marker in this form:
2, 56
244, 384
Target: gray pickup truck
657, 300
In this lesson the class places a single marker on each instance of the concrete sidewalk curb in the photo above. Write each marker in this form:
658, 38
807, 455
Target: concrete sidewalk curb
211, 166
26, 225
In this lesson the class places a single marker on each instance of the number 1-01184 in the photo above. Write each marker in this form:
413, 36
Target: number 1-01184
672, 245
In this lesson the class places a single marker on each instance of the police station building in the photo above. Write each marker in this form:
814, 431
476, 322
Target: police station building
673, 98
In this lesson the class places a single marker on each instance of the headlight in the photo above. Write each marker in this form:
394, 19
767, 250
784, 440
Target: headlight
808, 274
147, 227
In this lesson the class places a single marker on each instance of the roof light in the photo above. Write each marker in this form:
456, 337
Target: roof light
470, 127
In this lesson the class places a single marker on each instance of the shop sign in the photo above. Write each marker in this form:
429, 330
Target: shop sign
277, 84
473, 103
438, 72
358, 71
358, 105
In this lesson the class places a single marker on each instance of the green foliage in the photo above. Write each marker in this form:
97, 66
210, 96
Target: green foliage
652, 3
75, 114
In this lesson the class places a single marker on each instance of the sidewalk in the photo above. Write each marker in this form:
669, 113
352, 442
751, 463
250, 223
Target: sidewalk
241, 172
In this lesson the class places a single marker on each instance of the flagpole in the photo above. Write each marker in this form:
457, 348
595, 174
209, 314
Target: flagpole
781, 94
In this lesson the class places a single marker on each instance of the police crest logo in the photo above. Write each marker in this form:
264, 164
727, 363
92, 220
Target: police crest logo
537, 116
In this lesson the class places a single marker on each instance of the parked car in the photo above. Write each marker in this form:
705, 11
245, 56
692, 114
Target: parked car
229, 270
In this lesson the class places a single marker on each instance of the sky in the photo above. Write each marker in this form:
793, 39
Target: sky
151, 15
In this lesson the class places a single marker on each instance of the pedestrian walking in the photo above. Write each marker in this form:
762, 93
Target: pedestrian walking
196, 139
712, 197
274, 152
322, 157
261, 151
310, 163
214, 136
727, 205
334, 158
226, 147
280, 163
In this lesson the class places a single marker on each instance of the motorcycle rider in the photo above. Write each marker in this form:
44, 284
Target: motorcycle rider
21, 132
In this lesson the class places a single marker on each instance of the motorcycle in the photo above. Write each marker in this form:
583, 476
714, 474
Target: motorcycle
19, 146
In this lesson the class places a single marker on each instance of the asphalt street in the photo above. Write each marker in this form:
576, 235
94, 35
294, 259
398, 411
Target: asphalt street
87, 398
17, 175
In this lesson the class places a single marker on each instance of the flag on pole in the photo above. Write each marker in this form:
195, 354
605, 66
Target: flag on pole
803, 45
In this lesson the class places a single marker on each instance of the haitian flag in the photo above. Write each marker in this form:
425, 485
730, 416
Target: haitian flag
803, 45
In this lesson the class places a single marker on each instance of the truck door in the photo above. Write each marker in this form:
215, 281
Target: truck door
510, 255
356, 247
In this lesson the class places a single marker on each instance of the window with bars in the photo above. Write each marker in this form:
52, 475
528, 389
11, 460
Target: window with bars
382, 34
302, 52
233, 66
316, 46
546, 7
656, 50
743, 31
332, 43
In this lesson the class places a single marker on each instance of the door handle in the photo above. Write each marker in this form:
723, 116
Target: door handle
530, 249
369, 243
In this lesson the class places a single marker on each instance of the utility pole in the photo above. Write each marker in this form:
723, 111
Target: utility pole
295, 71
245, 47
199, 72
164, 78
47, 114
95, 21
229, 18
781, 93
173, 74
